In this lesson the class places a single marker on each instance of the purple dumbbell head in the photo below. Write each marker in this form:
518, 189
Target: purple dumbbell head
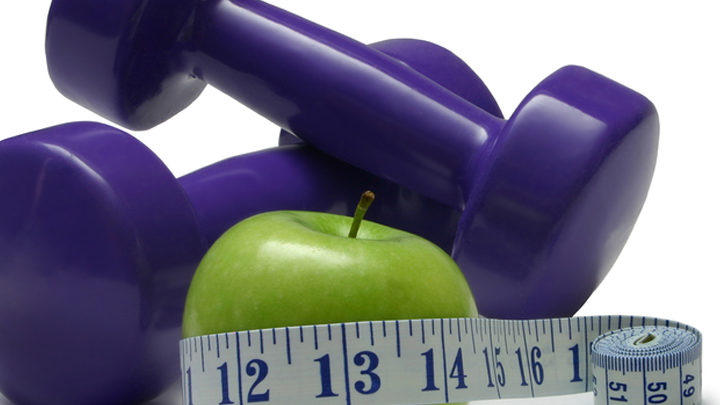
99, 242
548, 197
130, 60
69, 325
558, 196
114, 57
97, 246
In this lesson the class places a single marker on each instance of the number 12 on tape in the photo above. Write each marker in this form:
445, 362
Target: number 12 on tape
396, 362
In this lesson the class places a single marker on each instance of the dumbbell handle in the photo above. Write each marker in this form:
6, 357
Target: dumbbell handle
348, 99
99, 242
299, 177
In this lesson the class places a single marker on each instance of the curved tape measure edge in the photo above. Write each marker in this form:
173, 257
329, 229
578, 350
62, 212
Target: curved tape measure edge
446, 360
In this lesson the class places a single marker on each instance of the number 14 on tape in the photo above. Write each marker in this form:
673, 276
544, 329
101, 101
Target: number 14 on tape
396, 362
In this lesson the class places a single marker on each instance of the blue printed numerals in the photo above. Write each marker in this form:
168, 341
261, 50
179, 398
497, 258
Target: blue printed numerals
325, 377
369, 371
457, 372
369, 362
260, 368
255, 368
535, 367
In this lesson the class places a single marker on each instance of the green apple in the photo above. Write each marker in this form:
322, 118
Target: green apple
292, 268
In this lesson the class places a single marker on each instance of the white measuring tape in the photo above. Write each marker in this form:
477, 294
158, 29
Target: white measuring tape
632, 360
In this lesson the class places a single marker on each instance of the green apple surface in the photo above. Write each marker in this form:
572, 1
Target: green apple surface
292, 268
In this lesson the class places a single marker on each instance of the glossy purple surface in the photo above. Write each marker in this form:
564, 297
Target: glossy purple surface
97, 247
552, 211
299, 177
98, 244
549, 196
289, 177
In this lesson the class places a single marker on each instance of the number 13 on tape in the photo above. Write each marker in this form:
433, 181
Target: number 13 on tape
633, 360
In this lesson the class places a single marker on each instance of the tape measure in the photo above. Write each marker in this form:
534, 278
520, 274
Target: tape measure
621, 359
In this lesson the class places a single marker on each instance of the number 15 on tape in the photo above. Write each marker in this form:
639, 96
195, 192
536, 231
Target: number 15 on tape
418, 361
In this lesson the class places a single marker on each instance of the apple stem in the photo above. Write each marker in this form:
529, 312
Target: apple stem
365, 200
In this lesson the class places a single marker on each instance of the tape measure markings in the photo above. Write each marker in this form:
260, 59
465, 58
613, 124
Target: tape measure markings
441, 360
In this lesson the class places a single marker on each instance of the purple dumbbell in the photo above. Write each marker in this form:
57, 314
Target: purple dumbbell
98, 242
549, 197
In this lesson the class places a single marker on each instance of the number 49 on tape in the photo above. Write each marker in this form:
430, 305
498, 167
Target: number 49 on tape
445, 360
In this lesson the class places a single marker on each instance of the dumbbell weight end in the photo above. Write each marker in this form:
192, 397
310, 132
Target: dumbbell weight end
99, 242
375, 112
143, 72
552, 234
97, 247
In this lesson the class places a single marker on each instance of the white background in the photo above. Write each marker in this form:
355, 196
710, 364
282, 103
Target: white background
666, 52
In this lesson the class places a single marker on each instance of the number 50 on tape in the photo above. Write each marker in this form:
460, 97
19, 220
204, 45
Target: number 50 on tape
621, 359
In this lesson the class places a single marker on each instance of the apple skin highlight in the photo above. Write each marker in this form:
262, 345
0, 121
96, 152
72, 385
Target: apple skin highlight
292, 268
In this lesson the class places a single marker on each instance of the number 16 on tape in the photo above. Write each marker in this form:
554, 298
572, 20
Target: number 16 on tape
396, 362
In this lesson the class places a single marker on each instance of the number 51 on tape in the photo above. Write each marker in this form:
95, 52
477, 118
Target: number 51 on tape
621, 359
